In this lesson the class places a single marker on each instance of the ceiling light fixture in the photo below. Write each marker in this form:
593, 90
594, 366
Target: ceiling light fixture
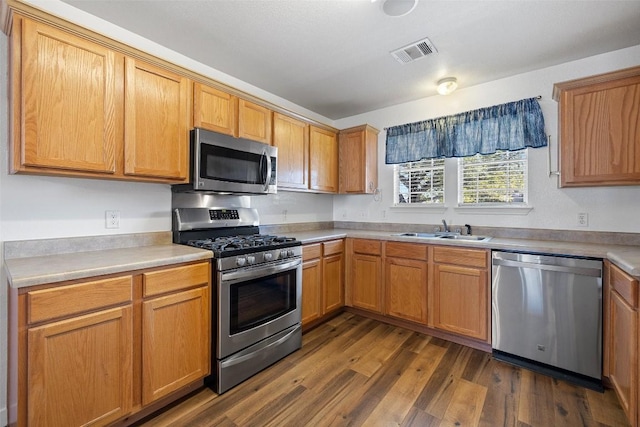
447, 85
397, 8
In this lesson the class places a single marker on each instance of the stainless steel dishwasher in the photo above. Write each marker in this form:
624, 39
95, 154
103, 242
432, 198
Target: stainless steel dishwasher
547, 314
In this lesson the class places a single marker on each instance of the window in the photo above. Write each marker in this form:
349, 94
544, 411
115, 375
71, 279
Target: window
419, 182
493, 179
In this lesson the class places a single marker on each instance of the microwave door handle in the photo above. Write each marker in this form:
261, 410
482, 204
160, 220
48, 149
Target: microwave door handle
268, 177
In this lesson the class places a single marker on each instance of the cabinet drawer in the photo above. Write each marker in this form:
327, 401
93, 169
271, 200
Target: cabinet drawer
69, 300
333, 247
461, 256
311, 251
406, 250
365, 246
625, 285
173, 279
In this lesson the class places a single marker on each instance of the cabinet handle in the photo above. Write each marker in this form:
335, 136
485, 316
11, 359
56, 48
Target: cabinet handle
556, 172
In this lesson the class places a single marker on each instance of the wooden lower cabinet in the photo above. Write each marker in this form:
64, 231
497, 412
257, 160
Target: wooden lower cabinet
461, 291
80, 370
311, 283
442, 288
175, 342
91, 352
322, 279
365, 274
406, 281
460, 300
623, 340
332, 276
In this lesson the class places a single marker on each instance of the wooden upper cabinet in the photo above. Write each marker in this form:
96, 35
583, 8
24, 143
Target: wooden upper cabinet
156, 122
67, 104
254, 122
323, 160
214, 109
291, 137
599, 128
359, 160
83, 109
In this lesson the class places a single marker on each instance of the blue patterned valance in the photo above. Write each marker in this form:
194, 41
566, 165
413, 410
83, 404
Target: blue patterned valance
510, 126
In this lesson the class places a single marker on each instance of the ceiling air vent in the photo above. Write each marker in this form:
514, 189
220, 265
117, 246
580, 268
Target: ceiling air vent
414, 51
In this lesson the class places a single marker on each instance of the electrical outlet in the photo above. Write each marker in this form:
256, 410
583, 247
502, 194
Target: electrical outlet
112, 219
284, 215
583, 219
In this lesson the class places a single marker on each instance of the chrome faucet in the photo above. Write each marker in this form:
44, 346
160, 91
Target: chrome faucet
446, 227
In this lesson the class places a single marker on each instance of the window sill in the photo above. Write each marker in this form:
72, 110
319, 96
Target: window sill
420, 208
495, 210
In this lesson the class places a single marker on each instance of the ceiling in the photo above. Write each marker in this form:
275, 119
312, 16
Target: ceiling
333, 56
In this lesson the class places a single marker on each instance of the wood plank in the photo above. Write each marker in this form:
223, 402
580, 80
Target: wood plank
466, 404
535, 406
419, 381
605, 408
501, 403
571, 405
398, 401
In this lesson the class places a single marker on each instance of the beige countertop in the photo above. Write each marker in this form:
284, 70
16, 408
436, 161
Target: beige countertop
38, 270
41, 269
625, 257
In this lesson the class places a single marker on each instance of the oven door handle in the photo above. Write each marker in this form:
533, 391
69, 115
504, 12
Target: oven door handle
259, 271
252, 353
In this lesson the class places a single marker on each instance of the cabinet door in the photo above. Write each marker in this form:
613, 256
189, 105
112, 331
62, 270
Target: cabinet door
80, 369
600, 129
406, 288
623, 356
291, 136
69, 103
311, 290
214, 109
156, 132
333, 274
460, 300
175, 342
254, 122
358, 160
323, 160
366, 282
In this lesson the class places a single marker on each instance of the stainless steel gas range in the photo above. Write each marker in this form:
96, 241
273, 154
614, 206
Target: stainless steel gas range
257, 301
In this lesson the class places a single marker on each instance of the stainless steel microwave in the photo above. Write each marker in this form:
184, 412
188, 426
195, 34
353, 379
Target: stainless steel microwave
227, 165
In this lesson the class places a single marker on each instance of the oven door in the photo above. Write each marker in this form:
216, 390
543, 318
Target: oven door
257, 302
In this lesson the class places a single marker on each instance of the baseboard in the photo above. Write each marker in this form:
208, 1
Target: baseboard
3, 417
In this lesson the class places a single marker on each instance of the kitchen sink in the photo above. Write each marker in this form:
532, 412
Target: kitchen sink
423, 235
451, 236
465, 237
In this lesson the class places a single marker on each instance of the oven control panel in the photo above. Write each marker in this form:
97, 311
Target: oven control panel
223, 214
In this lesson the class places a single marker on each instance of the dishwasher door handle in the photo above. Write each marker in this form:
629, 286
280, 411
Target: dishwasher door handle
594, 272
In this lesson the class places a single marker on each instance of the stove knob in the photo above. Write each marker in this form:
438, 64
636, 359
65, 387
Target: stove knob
240, 262
251, 260
283, 253
290, 252
268, 256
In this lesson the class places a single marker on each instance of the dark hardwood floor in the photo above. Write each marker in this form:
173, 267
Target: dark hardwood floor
354, 371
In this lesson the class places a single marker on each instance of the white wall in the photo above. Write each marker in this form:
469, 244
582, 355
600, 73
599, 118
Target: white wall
609, 208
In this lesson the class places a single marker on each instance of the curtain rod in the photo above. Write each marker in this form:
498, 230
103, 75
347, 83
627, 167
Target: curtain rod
536, 97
